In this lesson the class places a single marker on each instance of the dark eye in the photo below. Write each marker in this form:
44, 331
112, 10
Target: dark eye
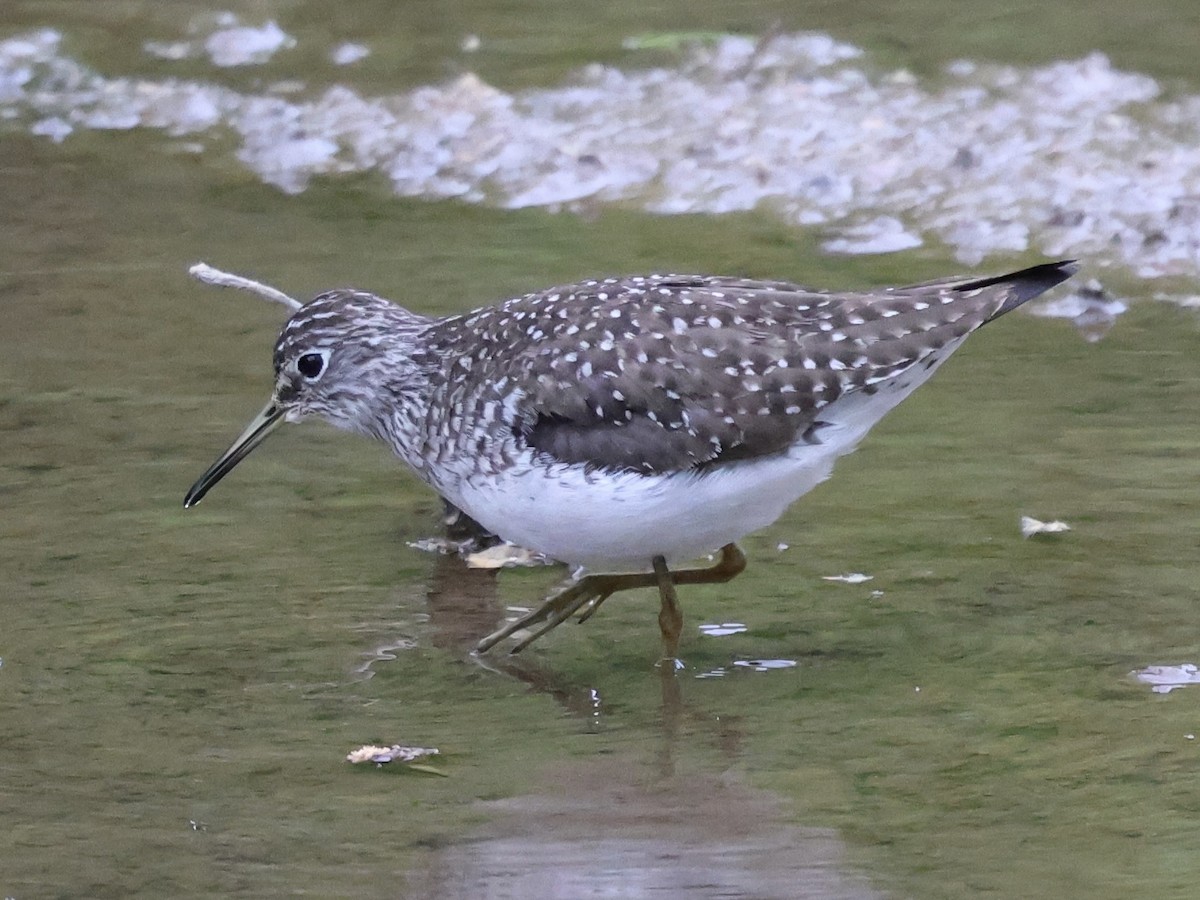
311, 365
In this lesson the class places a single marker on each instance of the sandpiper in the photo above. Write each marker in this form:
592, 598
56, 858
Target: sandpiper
625, 425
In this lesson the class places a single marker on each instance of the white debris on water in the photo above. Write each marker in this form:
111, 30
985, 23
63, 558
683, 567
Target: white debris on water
394, 753
849, 578
882, 234
245, 45
1031, 526
54, 128
765, 665
721, 629
225, 41
506, 556
1090, 308
1164, 679
347, 54
1074, 158
749, 665
285, 162
171, 50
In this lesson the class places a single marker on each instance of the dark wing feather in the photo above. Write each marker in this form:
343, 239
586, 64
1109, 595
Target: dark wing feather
670, 373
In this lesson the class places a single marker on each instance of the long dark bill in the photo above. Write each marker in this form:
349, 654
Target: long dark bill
256, 432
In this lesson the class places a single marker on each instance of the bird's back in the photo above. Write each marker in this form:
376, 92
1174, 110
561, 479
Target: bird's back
660, 374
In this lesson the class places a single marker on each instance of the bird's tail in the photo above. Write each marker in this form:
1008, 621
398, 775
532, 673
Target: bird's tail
1025, 284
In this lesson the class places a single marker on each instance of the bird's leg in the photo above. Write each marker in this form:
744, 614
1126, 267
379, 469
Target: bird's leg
562, 604
731, 564
670, 617
588, 592
589, 609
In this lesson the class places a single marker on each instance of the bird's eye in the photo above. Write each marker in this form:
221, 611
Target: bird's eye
311, 365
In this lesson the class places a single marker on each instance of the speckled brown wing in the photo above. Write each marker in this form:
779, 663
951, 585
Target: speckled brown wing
663, 374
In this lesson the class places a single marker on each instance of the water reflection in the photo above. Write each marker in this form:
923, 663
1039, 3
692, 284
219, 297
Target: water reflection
624, 824
599, 835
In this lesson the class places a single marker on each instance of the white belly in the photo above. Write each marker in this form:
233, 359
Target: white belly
621, 521
610, 522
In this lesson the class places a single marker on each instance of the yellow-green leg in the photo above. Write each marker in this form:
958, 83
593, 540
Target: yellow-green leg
589, 592
670, 616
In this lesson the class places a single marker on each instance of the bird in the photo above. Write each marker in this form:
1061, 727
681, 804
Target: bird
627, 425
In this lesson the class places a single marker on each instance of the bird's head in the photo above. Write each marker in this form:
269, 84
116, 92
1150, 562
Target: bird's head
340, 357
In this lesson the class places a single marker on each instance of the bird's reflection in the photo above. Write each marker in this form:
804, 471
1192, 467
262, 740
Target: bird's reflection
462, 604
628, 827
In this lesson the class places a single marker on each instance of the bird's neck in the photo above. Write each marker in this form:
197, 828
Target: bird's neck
405, 370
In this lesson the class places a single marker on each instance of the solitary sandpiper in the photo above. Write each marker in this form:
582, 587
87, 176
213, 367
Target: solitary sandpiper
624, 425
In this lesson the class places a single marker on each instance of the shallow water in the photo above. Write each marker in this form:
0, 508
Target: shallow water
178, 689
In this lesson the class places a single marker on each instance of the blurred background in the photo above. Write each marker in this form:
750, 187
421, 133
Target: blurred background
178, 690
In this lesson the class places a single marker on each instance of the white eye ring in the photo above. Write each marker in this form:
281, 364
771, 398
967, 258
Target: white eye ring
312, 365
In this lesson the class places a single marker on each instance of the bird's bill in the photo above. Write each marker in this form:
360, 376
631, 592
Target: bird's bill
256, 432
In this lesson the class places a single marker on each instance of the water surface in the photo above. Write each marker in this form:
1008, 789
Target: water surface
178, 689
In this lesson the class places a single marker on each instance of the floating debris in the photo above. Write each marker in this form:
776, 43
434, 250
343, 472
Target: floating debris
171, 50
723, 629
1073, 158
495, 556
849, 578
440, 545
202, 271
765, 665
1164, 679
749, 665
883, 234
347, 54
225, 41
506, 555
395, 753
55, 128
1031, 526
1090, 308
243, 45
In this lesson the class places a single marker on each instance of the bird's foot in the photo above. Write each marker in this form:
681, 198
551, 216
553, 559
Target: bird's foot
585, 594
